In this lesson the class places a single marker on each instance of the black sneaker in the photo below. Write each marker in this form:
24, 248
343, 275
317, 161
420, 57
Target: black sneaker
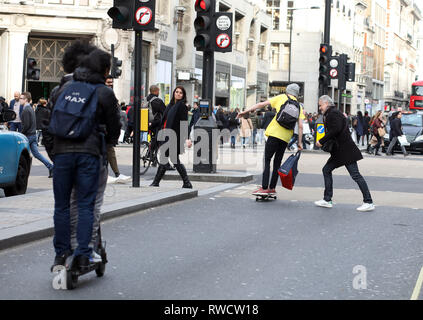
60, 260
50, 173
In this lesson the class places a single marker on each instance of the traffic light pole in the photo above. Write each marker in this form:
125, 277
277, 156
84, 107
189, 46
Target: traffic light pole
137, 110
24, 68
208, 77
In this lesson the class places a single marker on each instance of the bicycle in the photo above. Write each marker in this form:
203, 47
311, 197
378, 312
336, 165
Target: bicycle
148, 156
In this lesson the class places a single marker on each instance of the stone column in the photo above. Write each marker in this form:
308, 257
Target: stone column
13, 41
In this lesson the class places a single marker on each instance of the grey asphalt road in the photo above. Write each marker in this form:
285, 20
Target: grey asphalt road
227, 246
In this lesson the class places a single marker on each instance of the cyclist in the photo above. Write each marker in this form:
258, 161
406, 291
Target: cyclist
158, 108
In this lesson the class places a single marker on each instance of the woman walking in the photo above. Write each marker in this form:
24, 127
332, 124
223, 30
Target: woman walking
395, 132
246, 128
175, 113
378, 126
359, 128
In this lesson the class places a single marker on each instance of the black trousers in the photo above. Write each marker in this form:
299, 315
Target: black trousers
274, 147
355, 175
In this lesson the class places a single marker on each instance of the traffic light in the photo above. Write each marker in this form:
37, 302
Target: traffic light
325, 54
222, 31
115, 71
342, 79
203, 24
122, 14
32, 73
350, 72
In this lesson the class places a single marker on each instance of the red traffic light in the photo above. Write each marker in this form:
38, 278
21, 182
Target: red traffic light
202, 5
323, 49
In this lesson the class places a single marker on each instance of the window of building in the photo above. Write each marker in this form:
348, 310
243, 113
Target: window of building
387, 81
337, 4
274, 55
273, 10
285, 57
222, 81
289, 13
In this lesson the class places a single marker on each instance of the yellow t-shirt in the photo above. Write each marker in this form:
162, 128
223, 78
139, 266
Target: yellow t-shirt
274, 129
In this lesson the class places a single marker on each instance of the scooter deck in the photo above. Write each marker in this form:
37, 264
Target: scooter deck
267, 197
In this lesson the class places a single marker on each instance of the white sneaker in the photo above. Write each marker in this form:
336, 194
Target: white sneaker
111, 179
95, 257
366, 207
324, 204
122, 179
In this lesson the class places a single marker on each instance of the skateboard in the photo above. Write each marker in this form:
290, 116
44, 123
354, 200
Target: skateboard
262, 197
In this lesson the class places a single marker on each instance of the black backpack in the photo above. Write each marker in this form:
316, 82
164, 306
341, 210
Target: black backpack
288, 114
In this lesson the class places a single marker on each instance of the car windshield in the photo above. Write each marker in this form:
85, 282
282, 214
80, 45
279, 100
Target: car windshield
417, 91
412, 120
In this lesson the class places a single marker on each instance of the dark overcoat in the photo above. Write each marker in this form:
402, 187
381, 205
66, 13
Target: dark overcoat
336, 128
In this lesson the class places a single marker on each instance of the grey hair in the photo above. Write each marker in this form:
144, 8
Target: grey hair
325, 98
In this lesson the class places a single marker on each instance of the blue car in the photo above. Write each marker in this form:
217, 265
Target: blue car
15, 159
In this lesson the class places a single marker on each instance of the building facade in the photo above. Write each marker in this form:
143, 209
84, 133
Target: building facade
401, 54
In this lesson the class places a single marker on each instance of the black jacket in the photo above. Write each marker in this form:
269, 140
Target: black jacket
107, 116
233, 121
42, 115
172, 118
194, 119
395, 130
336, 127
158, 107
28, 121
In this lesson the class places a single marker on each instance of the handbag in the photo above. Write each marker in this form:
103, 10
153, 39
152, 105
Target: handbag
289, 171
403, 140
330, 145
381, 132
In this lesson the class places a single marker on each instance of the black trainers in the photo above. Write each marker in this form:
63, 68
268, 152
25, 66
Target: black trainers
60, 260
50, 173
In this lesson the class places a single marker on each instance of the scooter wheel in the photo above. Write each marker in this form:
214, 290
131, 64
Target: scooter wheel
71, 280
101, 269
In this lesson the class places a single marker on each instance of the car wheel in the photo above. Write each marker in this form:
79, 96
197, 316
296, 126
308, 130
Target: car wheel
21, 181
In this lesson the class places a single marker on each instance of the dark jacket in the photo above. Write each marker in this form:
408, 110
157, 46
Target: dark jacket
233, 121
107, 117
194, 119
359, 128
158, 108
223, 122
366, 124
268, 117
395, 130
42, 115
28, 121
336, 128
172, 118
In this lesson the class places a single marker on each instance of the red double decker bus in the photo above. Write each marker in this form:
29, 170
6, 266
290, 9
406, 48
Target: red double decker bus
416, 99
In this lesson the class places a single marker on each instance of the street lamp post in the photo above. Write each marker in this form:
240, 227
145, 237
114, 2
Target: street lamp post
291, 18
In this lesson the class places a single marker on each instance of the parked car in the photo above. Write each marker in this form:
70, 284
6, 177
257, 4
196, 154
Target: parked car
412, 127
15, 158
